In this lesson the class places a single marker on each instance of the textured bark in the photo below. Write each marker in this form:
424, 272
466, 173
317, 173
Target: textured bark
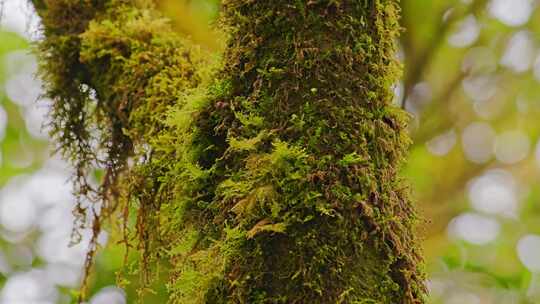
270, 177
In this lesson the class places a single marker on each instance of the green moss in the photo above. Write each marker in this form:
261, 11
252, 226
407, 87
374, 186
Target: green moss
269, 176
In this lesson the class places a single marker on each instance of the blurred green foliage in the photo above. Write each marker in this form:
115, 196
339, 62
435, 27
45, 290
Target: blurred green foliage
17, 141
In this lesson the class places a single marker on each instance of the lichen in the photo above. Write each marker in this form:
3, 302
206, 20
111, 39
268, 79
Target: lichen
266, 175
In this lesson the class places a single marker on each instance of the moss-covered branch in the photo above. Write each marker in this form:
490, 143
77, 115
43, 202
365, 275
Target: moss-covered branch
112, 69
273, 181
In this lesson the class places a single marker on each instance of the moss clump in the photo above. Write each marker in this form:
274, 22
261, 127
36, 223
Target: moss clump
112, 69
271, 179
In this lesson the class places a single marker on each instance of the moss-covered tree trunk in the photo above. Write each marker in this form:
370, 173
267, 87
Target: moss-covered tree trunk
271, 178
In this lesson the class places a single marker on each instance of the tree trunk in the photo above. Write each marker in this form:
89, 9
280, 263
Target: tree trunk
271, 178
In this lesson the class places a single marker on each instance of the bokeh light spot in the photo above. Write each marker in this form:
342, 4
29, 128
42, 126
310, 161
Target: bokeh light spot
494, 192
28, 287
519, 53
477, 142
480, 87
511, 12
442, 144
3, 123
109, 295
466, 34
528, 250
512, 146
474, 228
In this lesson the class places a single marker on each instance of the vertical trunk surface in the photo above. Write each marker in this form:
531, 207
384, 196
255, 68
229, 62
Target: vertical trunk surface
314, 152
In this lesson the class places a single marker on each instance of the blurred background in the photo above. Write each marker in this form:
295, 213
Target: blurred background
472, 85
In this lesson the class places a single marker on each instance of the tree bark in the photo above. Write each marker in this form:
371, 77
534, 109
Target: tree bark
271, 178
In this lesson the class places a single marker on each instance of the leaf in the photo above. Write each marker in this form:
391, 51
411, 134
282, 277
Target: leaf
265, 226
